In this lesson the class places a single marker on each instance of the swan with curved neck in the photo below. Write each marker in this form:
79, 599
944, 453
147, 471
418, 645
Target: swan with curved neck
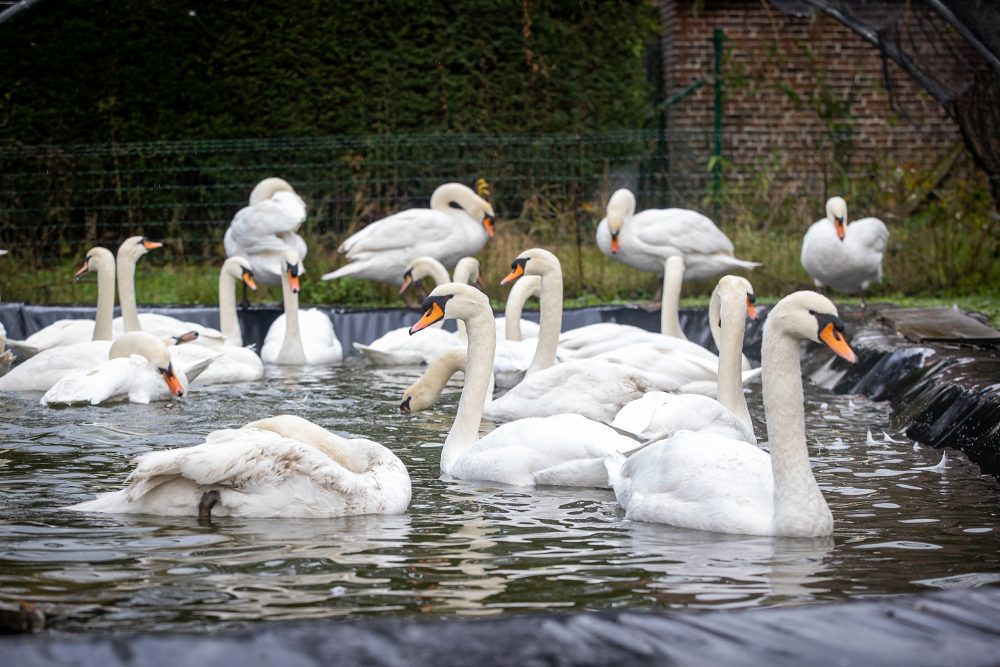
565, 449
70, 331
138, 368
281, 466
129, 252
542, 263
233, 269
708, 482
262, 231
525, 288
458, 224
844, 256
661, 413
299, 338
644, 240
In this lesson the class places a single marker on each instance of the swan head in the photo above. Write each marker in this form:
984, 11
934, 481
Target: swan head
269, 187
811, 316
135, 247
467, 271
239, 268
95, 260
452, 301
620, 207
836, 212
154, 350
736, 289
417, 397
420, 268
291, 259
533, 262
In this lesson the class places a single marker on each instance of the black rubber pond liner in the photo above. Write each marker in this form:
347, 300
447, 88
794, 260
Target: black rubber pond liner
933, 629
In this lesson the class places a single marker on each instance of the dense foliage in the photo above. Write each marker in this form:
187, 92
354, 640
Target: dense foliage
89, 71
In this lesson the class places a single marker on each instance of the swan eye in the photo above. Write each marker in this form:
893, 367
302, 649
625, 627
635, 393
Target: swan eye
293, 270
751, 298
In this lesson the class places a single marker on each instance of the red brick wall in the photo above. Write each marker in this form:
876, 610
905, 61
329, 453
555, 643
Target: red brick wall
772, 57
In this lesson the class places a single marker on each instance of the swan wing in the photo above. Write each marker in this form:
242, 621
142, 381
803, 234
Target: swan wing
689, 232
399, 231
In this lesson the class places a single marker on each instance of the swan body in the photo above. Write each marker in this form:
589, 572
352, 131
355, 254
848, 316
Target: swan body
566, 450
846, 257
138, 369
383, 248
282, 466
299, 338
44, 369
644, 240
705, 481
265, 229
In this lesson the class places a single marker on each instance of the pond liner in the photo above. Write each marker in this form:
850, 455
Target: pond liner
932, 629
942, 394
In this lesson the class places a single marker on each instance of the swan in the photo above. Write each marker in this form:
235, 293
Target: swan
644, 240
593, 388
264, 230
709, 482
516, 328
299, 338
281, 466
138, 369
230, 362
658, 413
396, 347
70, 331
383, 248
564, 449
844, 256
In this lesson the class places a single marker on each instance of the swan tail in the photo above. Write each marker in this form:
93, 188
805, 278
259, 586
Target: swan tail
198, 368
394, 358
743, 263
346, 270
613, 464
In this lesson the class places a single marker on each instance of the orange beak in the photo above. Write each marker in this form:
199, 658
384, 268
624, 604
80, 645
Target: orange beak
151, 245
248, 280
173, 382
293, 280
836, 342
751, 309
838, 223
614, 244
488, 222
516, 273
431, 315
83, 269
407, 281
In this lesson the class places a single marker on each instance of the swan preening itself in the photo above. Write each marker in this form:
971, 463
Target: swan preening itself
265, 229
299, 338
282, 466
564, 449
383, 248
710, 482
138, 369
846, 257
644, 240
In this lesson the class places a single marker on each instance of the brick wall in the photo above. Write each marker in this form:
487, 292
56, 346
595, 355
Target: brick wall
782, 75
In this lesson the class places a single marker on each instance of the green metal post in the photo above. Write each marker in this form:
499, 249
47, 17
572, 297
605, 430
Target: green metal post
718, 36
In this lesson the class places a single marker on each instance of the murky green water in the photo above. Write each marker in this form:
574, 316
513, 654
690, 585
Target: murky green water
904, 523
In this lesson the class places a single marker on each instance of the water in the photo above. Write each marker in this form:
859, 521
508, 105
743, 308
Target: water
905, 522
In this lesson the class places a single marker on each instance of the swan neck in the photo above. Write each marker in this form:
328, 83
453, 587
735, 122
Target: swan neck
673, 277
125, 267
478, 377
519, 294
798, 501
549, 321
229, 323
291, 348
439, 371
438, 274
730, 344
105, 315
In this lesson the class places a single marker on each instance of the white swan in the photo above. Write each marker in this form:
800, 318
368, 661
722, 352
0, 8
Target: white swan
383, 248
138, 369
264, 230
594, 388
70, 331
709, 482
844, 256
230, 362
566, 450
282, 466
515, 327
659, 413
396, 347
299, 338
644, 240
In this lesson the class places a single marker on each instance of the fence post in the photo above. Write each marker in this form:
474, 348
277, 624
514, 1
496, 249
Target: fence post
718, 37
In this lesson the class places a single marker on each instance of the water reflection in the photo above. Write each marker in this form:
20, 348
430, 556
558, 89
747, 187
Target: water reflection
906, 520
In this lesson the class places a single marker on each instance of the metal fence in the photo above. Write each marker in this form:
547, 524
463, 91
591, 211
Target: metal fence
57, 200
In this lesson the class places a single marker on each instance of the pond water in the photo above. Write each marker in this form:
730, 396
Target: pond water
906, 521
